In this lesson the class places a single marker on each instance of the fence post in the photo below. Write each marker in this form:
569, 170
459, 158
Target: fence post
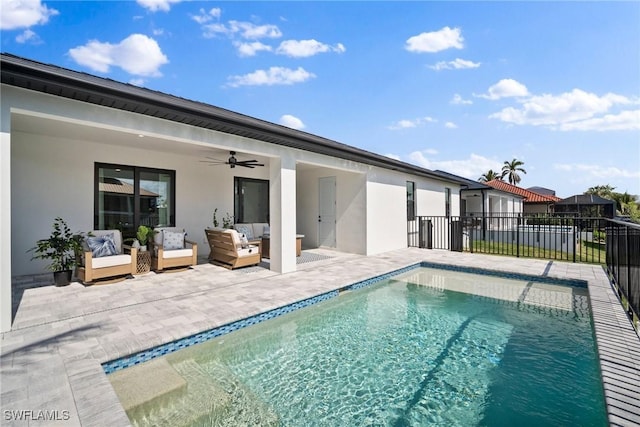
518, 237
628, 272
575, 221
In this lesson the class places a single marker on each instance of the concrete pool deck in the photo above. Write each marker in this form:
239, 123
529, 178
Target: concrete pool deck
51, 359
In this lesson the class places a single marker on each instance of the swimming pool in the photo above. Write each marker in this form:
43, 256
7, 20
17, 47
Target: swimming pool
428, 346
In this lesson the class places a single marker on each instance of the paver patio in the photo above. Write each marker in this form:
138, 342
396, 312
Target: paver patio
51, 358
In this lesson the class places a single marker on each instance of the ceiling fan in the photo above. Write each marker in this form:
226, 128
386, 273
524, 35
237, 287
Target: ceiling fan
233, 162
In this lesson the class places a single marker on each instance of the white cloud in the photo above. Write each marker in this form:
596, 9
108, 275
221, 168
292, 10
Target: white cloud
435, 41
28, 36
156, 5
458, 100
272, 76
305, 48
24, 14
158, 32
506, 88
470, 168
450, 125
250, 49
411, 123
392, 156
137, 54
457, 64
246, 30
597, 171
575, 110
291, 122
207, 16
626, 120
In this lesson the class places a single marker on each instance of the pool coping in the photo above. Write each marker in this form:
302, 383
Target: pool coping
64, 356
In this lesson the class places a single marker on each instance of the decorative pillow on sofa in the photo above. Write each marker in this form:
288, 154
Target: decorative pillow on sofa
245, 229
173, 240
266, 230
102, 245
244, 241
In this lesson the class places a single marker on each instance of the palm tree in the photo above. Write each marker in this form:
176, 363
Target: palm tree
605, 191
490, 175
511, 169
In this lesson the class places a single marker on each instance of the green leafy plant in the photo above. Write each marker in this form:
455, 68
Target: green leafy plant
61, 247
227, 221
215, 220
144, 233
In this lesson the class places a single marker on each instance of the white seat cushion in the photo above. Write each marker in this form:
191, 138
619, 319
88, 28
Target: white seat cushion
177, 253
251, 250
110, 261
235, 237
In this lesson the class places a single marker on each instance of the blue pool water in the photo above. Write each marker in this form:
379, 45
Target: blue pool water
428, 347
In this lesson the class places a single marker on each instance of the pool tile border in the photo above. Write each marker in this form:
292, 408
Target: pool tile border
164, 349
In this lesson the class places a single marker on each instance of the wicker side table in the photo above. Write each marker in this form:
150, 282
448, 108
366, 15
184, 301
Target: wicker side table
144, 262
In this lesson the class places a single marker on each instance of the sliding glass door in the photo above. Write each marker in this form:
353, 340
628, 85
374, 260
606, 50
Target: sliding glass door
129, 196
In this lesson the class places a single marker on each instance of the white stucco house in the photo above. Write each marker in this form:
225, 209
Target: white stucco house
68, 137
481, 200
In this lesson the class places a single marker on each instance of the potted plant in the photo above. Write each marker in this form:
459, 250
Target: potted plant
61, 248
143, 235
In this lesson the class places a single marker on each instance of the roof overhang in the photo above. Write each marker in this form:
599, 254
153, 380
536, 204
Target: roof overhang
54, 80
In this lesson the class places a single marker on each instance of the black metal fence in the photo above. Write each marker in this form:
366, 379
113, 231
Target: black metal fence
614, 244
574, 239
623, 264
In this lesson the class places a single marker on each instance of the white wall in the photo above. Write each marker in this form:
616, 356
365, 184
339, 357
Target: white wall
350, 208
5, 219
387, 206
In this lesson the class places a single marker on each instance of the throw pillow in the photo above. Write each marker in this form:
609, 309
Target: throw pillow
173, 240
244, 229
244, 241
102, 245
266, 230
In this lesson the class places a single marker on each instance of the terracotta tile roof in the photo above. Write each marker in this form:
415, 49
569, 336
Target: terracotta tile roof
120, 187
529, 196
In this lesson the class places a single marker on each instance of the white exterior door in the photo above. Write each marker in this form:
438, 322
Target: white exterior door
327, 212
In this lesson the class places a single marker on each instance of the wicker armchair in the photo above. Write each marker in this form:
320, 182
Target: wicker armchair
170, 249
97, 260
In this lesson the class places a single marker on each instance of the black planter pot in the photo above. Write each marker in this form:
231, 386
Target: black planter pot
62, 278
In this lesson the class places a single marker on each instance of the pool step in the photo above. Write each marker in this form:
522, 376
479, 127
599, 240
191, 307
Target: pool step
147, 385
246, 408
202, 396
213, 397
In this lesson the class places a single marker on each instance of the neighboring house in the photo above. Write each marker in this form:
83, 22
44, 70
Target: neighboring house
68, 138
533, 203
542, 190
586, 205
479, 199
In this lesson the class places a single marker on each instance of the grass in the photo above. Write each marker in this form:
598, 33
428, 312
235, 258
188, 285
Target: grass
589, 252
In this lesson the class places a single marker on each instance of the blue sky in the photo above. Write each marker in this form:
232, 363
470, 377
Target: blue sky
455, 86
